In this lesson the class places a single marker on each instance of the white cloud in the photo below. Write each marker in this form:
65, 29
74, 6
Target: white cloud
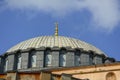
105, 12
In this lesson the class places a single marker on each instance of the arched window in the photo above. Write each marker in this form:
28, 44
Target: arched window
62, 58
91, 56
97, 59
77, 58
33, 58
110, 76
48, 58
6, 64
19, 61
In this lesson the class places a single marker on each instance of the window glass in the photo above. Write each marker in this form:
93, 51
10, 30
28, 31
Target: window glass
91, 61
33, 60
62, 58
48, 58
19, 62
6, 65
77, 58
98, 60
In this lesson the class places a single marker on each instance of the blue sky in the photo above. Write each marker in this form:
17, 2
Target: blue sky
94, 21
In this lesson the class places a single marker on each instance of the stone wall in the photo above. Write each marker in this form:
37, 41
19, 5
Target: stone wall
40, 59
11, 61
28, 76
70, 59
55, 58
98, 72
25, 60
1, 65
11, 76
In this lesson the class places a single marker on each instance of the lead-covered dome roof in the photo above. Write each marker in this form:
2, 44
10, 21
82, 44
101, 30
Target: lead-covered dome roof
54, 41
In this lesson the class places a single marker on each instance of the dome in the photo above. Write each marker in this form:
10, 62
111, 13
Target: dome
51, 52
54, 41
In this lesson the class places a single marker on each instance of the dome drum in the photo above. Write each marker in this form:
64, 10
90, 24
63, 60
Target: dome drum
43, 58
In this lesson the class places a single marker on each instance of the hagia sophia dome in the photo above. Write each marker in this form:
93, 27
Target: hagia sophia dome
54, 41
51, 52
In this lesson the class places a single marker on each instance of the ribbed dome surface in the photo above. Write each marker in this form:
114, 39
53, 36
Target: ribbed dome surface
51, 41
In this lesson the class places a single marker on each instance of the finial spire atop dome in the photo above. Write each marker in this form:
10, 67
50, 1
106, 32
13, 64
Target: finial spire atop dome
56, 29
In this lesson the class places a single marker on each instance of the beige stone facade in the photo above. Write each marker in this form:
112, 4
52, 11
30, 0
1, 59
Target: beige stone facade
96, 72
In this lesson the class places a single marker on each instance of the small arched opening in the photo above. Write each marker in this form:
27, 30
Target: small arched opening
110, 76
62, 57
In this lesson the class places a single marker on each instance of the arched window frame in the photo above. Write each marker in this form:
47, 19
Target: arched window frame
91, 58
77, 58
98, 59
47, 58
110, 76
6, 63
19, 61
33, 59
62, 58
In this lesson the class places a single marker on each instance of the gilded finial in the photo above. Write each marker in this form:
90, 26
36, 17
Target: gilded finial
56, 29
